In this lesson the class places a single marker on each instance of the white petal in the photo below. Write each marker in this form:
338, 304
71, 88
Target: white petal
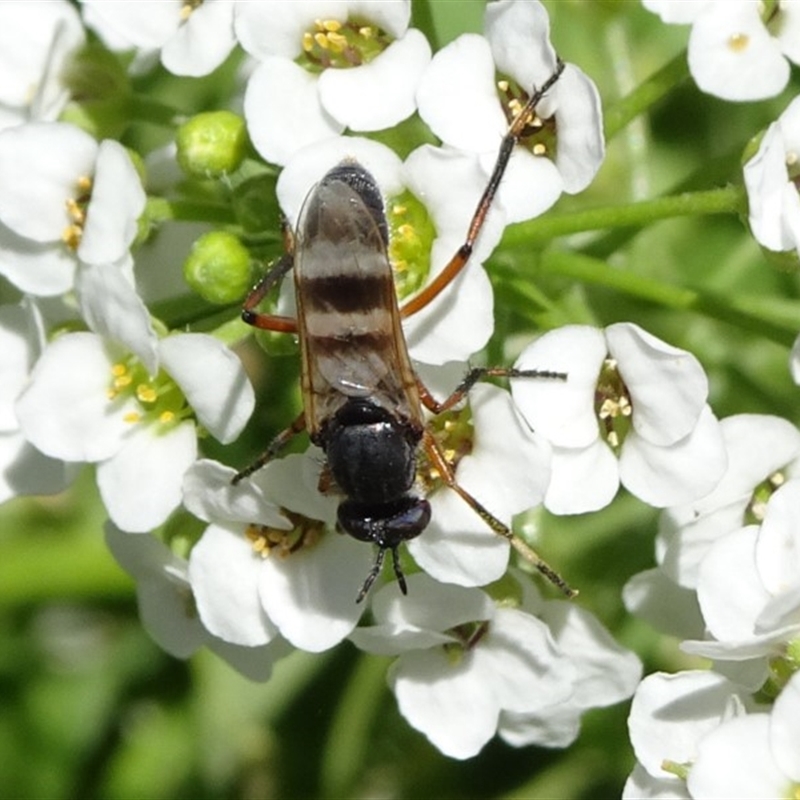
519, 33
530, 185
141, 483
213, 380
224, 571
735, 760
381, 93
553, 727
445, 701
393, 16
283, 112
457, 96
788, 31
669, 608
732, 54
65, 411
19, 347
728, 587
579, 121
678, 473
39, 269
146, 26
784, 730
113, 309
40, 164
24, 470
605, 672
276, 27
508, 463
255, 663
582, 479
209, 494
457, 546
204, 40
671, 713
311, 594
117, 201
778, 548
562, 410
668, 386
676, 12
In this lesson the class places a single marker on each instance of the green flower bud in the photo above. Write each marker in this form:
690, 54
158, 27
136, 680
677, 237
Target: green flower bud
218, 268
211, 144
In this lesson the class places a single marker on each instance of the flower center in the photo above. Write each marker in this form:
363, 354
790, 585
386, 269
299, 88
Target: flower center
538, 135
455, 433
612, 404
738, 42
754, 513
411, 235
468, 635
339, 45
266, 541
76, 211
160, 400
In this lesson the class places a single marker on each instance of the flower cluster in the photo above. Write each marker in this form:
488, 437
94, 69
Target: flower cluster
113, 355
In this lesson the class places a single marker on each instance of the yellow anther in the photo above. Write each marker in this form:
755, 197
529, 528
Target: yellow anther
322, 40
165, 417
84, 184
77, 214
71, 236
146, 393
539, 149
399, 209
132, 416
308, 42
331, 25
123, 381
791, 159
366, 31
117, 370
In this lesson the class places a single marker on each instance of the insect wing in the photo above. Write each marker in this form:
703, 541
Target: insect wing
351, 337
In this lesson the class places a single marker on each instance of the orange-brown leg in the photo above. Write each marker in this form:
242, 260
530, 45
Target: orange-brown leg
445, 470
275, 446
461, 257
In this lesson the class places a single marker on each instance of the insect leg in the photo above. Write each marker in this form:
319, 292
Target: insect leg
478, 374
275, 446
461, 257
445, 470
269, 322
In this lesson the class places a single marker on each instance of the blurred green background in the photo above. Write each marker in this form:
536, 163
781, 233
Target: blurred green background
91, 708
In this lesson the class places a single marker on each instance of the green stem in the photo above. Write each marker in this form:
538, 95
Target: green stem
350, 736
747, 312
726, 200
159, 209
647, 94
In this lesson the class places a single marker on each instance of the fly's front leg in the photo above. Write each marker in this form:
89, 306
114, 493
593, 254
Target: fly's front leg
269, 322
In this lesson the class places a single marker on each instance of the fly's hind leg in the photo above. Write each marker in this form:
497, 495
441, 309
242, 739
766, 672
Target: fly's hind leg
445, 470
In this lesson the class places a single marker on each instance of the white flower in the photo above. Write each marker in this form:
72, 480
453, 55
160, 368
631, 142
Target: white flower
670, 715
166, 606
506, 469
458, 99
761, 449
749, 588
23, 469
752, 756
632, 410
64, 200
36, 42
774, 203
254, 572
738, 49
360, 68
464, 662
193, 38
460, 321
90, 401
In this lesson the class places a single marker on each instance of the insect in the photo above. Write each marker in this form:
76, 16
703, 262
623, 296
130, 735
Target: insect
362, 400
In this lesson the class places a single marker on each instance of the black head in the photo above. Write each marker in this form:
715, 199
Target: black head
387, 525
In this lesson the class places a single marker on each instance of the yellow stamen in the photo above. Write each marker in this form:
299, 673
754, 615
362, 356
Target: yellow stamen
132, 416
145, 393
738, 42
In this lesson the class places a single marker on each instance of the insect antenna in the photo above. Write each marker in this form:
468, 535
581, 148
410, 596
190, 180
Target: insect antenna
375, 571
